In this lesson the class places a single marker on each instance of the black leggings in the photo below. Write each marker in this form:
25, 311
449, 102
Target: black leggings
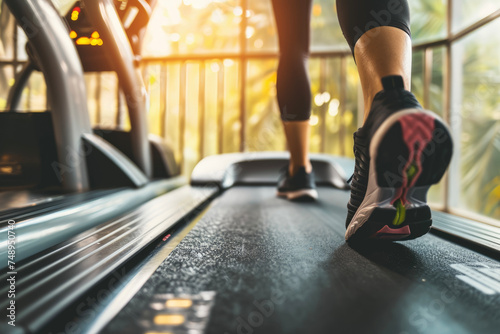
293, 17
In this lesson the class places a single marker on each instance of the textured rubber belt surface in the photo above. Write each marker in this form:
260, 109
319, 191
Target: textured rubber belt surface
283, 267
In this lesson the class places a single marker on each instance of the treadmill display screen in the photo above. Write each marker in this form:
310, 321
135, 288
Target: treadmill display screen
83, 36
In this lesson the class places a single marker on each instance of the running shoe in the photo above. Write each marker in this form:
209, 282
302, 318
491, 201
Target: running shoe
400, 151
300, 186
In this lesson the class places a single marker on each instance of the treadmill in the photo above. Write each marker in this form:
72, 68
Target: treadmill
223, 254
58, 176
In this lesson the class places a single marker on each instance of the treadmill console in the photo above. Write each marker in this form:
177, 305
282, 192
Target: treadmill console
134, 15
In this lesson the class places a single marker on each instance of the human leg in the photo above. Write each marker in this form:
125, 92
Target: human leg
401, 149
294, 94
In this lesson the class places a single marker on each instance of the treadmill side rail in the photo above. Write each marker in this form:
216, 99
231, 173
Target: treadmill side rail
56, 278
35, 234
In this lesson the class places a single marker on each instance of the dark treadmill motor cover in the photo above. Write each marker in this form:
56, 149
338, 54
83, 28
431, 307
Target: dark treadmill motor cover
27, 150
164, 163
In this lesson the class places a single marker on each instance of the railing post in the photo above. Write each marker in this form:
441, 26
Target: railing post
163, 99
243, 73
343, 101
447, 97
201, 110
427, 77
323, 108
182, 112
220, 108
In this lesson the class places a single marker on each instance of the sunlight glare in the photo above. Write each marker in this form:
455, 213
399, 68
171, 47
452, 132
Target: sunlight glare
333, 108
190, 38
215, 67
175, 37
237, 11
249, 32
217, 16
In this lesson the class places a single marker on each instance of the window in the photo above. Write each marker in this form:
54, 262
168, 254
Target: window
475, 119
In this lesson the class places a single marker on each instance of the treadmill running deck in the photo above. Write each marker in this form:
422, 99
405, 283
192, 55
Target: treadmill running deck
282, 267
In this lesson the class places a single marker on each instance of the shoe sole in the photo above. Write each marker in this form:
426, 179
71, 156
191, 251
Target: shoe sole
303, 194
409, 152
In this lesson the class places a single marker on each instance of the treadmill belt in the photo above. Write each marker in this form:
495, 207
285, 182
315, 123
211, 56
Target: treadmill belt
279, 267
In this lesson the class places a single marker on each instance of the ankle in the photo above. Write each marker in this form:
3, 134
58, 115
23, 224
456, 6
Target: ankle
292, 169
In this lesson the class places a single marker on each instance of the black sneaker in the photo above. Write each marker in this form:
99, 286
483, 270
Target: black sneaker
300, 186
400, 152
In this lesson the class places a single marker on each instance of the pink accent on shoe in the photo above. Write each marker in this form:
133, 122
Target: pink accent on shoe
417, 131
392, 233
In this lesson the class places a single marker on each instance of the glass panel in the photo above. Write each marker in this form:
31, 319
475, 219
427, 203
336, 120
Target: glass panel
152, 80
91, 84
191, 27
332, 115
22, 39
477, 69
263, 125
232, 124
317, 112
466, 12
261, 32
436, 90
173, 101
34, 96
428, 20
325, 30
191, 134
211, 116
6, 82
7, 24
417, 75
107, 100
436, 101
350, 118
330, 120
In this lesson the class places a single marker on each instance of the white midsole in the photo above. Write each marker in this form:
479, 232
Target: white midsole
313, 193
377, 197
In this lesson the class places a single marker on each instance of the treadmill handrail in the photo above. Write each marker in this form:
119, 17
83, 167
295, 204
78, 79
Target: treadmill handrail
63, 74
104, 17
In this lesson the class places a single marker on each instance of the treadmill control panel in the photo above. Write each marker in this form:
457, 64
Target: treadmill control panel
91, 46
85, 35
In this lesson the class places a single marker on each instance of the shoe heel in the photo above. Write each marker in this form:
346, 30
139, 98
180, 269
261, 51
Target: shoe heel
413, 154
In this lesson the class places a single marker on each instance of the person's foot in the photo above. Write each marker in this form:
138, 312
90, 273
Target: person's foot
400, 151
300, 186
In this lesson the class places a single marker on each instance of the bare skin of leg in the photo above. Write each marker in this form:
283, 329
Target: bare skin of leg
380, 52
297, 136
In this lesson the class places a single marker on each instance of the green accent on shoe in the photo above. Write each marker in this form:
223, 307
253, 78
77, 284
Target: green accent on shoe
411, 171
400, 213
